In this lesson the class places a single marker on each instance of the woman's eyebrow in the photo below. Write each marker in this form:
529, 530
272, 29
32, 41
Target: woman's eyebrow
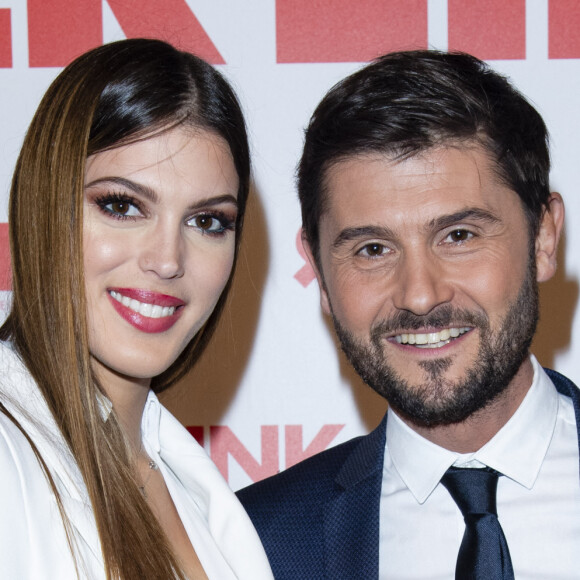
151, 195
139, 188
217, 200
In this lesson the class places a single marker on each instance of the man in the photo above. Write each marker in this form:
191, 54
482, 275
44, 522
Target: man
428, 220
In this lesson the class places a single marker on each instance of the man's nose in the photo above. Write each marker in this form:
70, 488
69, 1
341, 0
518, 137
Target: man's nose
421, 283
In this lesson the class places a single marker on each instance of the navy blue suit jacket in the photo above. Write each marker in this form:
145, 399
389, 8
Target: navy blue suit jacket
320, 519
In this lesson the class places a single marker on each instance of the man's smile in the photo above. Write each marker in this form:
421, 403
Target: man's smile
431, 339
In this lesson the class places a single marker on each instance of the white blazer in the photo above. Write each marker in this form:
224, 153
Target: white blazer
33, 543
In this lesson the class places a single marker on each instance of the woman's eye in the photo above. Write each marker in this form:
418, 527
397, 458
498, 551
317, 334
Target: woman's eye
208, 223
118, 206
458, 236
122, 208
373, 250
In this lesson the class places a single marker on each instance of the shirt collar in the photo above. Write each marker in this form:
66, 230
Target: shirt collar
150, 423
517, 450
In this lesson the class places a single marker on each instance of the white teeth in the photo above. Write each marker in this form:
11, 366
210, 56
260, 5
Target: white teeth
431, 339
143, 308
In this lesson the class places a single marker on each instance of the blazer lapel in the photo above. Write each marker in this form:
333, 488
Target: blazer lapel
352, 514
351, 517
566, 387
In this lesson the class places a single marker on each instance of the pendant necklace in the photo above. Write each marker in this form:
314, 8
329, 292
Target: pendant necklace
152, 467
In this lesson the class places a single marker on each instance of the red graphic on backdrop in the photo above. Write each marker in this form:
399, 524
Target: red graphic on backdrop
170, 20
61, 30
4, 258
223, 444
563, 26
488, 29
5, 38
306, 31
295, 453
306, 274
347, 31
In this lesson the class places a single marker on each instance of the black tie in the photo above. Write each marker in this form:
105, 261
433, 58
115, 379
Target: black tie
484, 553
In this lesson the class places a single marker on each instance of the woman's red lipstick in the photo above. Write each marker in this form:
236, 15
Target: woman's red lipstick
146, 310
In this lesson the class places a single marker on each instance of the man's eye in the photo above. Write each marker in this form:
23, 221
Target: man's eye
372, 250
458, 236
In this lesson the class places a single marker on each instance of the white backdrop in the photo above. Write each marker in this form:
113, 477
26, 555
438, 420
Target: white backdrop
272, 387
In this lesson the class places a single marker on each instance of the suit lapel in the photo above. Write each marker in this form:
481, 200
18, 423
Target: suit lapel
351, 517
352, 514
566, 387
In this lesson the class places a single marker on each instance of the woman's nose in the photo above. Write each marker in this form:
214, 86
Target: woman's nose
162, 252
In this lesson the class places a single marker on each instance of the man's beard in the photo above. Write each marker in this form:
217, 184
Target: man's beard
440, 401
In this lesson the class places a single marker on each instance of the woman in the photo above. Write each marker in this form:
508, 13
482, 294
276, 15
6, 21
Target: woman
126, 209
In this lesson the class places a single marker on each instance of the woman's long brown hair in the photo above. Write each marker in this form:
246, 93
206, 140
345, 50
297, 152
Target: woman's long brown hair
113, 95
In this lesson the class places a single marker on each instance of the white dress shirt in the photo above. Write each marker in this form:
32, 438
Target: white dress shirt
32, 540
538, 499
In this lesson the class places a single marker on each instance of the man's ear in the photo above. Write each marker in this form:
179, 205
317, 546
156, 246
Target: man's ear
324, 302
548, 237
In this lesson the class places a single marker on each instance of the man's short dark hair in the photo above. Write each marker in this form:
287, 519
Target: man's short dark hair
407, 102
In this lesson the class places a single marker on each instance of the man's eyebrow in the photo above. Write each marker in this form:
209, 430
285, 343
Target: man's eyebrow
353, 234
151, 195
383, 232
470, 213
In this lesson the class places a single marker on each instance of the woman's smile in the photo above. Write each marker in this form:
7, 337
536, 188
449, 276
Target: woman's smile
146, 310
